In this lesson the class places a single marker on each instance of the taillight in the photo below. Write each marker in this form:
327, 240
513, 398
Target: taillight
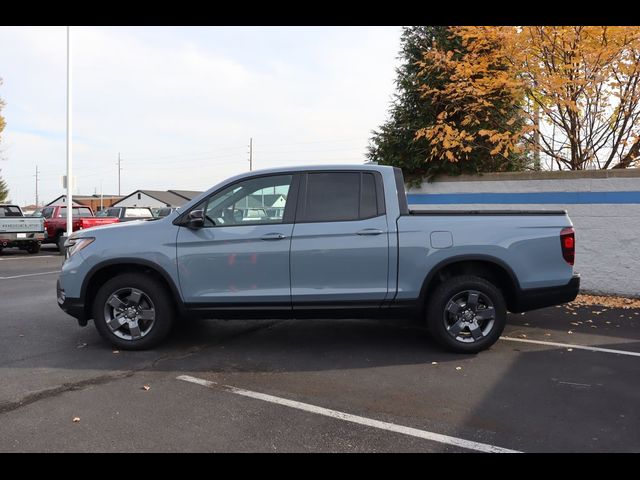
568, 244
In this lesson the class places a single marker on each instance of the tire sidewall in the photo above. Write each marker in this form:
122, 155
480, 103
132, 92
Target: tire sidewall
438, 303
164, 311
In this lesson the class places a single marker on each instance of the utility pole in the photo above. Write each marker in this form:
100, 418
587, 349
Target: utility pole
69, 164
37, 199
119, 169
250, 154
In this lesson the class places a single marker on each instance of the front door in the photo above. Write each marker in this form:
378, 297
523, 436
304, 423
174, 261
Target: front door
240, 258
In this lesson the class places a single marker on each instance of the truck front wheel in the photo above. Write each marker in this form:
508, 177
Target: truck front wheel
133, 311
466, 314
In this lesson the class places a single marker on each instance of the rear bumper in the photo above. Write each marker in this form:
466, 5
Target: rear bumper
535, 298
71, 306
20, 240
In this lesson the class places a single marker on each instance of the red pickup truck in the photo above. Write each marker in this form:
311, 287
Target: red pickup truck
55, 221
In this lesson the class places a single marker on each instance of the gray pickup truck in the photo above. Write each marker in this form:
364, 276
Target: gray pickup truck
16, 230
336, 242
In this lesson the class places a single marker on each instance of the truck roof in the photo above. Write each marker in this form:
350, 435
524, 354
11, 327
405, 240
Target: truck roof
291, 169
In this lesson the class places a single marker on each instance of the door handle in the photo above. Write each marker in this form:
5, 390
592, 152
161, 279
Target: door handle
274, 236
370, 231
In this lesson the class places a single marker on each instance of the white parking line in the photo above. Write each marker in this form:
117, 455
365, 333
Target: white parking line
28, 258
392, 427
569, 345
29, 275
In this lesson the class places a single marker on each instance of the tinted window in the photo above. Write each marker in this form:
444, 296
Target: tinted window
75, 212
47, 212
257, 200
10, 211
332, 197
82, 212
112, 212
368, 202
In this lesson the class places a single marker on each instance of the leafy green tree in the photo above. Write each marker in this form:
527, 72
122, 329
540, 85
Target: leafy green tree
401, 141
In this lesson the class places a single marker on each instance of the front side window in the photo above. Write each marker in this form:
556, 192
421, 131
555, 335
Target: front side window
259, 200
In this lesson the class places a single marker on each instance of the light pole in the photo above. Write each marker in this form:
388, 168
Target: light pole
69, 165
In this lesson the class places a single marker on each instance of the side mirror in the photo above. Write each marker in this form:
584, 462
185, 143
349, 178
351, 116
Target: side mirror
195, 219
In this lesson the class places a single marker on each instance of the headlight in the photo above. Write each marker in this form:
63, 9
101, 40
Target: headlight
74, 245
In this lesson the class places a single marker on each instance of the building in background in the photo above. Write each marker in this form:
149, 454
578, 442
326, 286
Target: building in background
156, 198
96, 202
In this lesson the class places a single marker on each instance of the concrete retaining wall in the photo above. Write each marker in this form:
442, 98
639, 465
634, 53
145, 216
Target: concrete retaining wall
603, 205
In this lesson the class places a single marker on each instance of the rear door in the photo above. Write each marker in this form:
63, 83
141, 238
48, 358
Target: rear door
340, 244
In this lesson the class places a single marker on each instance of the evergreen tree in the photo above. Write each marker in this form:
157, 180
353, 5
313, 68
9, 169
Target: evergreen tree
4, 191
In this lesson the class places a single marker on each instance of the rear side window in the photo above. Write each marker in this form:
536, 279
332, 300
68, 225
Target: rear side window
10, 211
340, 196
368, 202
82, 212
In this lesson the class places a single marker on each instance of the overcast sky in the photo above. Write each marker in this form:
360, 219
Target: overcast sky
180, 103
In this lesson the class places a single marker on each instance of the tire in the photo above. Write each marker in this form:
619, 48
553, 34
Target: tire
60, 243
145, 300
466, 314
33, 248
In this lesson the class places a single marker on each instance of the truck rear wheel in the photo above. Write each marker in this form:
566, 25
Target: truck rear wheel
33, 248
133, 311
466, 314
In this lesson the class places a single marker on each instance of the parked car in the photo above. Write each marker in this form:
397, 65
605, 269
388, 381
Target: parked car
346, 245
55, 222
19, 231
127, 214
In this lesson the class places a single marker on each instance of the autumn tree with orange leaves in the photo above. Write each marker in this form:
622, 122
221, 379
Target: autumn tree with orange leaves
577, 89
400, 140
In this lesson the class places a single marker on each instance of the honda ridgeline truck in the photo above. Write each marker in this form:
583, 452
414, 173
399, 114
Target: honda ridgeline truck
321, 242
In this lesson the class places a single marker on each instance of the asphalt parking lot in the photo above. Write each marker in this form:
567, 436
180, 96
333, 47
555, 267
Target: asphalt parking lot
312, 386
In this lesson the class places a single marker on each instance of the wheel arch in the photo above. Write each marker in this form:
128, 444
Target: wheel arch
485, 266
106, 270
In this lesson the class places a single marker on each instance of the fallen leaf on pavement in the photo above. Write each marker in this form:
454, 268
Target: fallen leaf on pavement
458, 368
81, 345
434, 363
146, 387
76, 419
116, 351
570, 332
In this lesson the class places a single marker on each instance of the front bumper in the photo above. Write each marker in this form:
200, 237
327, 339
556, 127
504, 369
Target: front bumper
535, 298
72, 306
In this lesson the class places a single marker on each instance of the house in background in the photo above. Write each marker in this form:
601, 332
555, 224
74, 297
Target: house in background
156, 198
96, 202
